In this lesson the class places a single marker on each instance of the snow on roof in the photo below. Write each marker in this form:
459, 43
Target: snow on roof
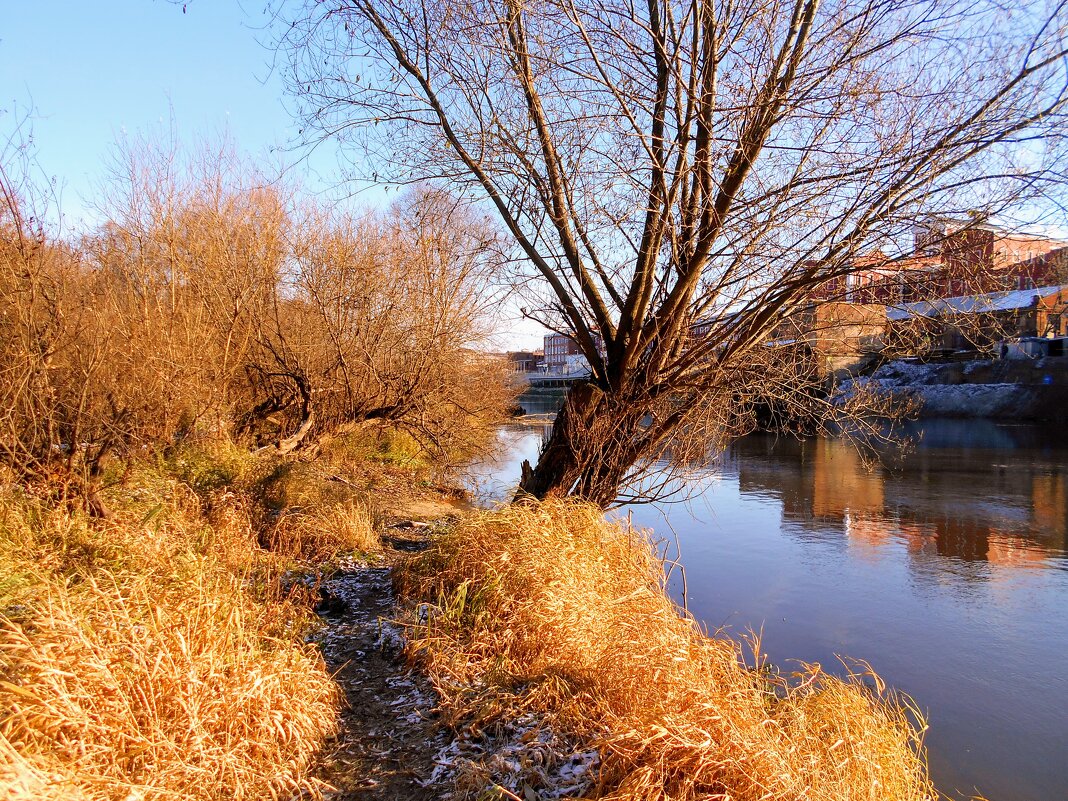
971, 304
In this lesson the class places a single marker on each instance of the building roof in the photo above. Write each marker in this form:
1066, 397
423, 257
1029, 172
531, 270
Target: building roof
971, 304
954, 223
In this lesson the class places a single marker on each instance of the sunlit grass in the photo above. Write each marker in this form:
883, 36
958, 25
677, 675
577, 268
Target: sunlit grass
323, 531
548, 609
155, 655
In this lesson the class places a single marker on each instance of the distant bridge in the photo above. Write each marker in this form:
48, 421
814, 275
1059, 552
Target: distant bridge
554, 381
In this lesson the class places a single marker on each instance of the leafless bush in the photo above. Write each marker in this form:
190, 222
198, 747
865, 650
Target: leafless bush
214, 303
377, 322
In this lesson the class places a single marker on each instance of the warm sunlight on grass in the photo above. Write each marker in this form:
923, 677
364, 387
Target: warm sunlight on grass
548, 609
323, 531
153, 655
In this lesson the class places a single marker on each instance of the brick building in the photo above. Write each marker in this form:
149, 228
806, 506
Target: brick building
563, 355
952, 259
524, 361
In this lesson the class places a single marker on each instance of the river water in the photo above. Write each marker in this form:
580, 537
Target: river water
945, 568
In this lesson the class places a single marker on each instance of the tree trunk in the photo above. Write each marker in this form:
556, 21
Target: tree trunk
557, 469
307, 422
95, 504
589, 451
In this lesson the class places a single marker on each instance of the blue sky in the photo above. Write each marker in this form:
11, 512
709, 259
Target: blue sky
91, 71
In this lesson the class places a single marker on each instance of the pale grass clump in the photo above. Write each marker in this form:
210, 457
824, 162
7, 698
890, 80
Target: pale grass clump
25, 779
547, 608
325, 531
319, 512
146, 658
182, 693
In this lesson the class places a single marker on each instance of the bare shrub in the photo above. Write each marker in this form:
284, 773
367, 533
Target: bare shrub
44, 307
377, 322
190, 259
136, 336
212, 304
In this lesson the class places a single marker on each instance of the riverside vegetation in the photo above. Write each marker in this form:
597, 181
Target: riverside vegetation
172, 385
546, 609
218, 393
164, 652
154, 655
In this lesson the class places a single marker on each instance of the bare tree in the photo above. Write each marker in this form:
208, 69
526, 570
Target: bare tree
136, 335
213, 302
189, 261
666, 164
376, 322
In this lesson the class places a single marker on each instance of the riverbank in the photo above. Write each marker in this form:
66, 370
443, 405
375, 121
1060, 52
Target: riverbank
1001, 389
176, 649
547, 631
238, 620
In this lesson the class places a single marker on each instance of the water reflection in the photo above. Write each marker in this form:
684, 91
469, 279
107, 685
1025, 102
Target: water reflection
974, 502
538, 401
945, 567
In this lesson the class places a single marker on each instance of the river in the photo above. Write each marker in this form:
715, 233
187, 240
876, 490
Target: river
945, 568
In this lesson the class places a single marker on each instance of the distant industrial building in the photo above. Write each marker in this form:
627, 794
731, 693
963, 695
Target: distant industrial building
952, 259
965, 287
564, 357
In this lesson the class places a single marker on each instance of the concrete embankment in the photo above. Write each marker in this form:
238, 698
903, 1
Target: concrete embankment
1006, 389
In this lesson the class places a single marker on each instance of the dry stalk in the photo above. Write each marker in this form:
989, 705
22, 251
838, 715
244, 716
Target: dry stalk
546, 608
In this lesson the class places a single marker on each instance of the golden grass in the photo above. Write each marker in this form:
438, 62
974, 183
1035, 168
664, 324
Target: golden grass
322, 507
325, 531
548, 609
180, 694
153, 656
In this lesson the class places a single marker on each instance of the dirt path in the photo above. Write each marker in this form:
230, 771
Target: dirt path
389, 737
390, 746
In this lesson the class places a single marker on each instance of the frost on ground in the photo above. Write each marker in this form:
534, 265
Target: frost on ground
927, 384
388, 734
524, 758
391, 744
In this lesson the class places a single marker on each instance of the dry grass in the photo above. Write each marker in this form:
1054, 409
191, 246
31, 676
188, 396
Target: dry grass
322, 507
378, 471
323, 532
548, 609
188, 693
153, 656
